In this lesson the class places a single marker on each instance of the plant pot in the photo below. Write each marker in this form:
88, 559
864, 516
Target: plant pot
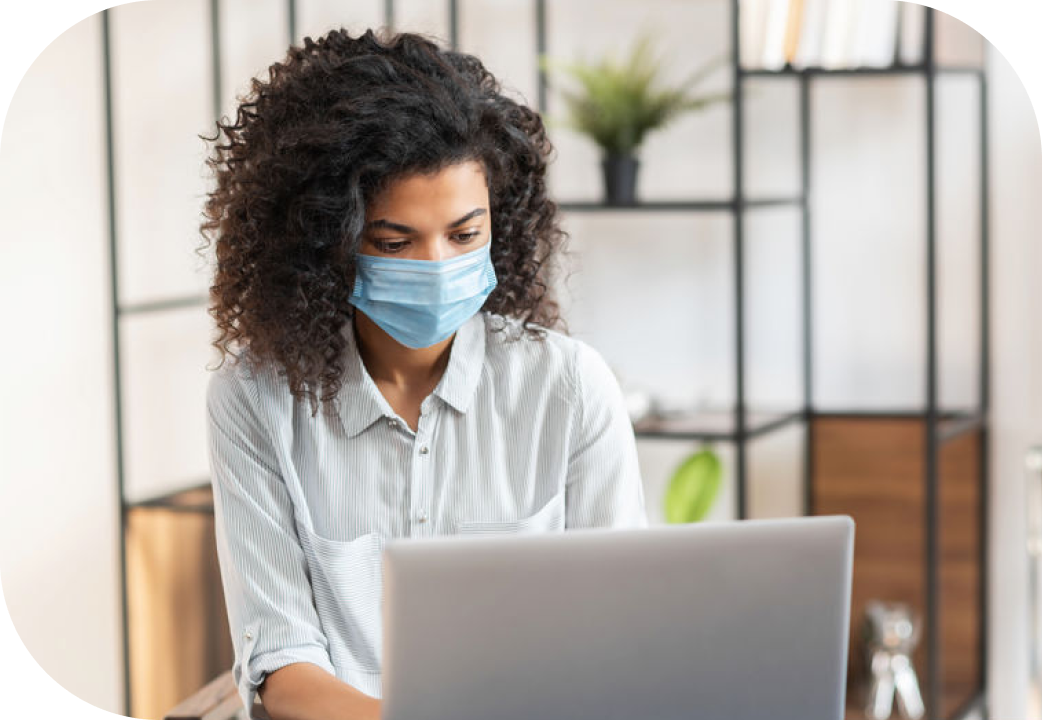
620, 179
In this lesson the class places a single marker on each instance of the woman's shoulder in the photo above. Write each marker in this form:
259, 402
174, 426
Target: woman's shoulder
548, 355
242, 384
510, 337
515, 349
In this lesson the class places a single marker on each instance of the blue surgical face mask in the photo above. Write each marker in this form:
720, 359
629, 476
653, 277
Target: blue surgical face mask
422, 302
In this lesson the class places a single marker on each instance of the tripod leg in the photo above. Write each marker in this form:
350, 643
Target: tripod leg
881, 693
909, 699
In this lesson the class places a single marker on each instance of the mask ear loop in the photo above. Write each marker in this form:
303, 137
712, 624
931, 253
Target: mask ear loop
357, 290
490, 274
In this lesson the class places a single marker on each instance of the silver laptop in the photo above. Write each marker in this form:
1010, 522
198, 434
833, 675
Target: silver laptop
737, 620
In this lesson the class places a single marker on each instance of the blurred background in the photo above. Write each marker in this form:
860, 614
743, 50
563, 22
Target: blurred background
808, 305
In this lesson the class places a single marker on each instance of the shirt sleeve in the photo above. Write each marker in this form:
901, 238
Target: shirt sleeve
604, 486
267, 590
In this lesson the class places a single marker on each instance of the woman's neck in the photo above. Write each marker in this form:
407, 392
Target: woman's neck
391, 363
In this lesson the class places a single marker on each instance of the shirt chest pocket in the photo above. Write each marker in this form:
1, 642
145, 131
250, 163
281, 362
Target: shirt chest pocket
548, 518
347, 584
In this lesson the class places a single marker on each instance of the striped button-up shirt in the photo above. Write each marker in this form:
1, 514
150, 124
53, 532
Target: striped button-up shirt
522, 435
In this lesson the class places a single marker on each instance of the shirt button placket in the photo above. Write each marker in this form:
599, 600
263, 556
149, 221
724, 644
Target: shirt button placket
421, 474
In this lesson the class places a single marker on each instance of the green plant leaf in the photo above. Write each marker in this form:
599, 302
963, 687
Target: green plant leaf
617, 103
693, 487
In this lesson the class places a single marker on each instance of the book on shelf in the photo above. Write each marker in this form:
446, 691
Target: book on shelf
776, 24
812, 27
752, 17
830, 34
792, 29
880, 48
862, 31
912, 29
875, 34
835, 41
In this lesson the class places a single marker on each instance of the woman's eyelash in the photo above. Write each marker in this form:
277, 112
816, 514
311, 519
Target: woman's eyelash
393, 247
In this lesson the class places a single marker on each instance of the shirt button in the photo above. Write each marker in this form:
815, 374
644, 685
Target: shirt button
391, 423
424, 450
421, 516
248, 635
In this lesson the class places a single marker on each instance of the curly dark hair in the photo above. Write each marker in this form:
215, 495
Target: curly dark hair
337, 121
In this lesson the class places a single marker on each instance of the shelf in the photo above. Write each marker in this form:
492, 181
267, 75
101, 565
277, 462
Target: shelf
789, 71
174, 303
958, 424
720, 424
196, 499
724, 205
713, 425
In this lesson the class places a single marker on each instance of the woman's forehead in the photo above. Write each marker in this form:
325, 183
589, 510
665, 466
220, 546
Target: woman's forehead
437, 197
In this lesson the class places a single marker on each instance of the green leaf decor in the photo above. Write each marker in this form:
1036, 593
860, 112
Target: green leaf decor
693, 487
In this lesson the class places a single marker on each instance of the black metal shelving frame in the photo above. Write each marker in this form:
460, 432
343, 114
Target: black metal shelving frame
940, 426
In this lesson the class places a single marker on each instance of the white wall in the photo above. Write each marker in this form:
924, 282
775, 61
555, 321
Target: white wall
674, 337
58, 537
1017, 377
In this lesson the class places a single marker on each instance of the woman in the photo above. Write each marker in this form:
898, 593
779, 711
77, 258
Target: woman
384, 240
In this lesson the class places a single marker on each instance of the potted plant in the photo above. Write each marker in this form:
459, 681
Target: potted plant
620, 103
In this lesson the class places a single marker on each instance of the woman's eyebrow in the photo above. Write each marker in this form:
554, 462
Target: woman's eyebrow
383, 223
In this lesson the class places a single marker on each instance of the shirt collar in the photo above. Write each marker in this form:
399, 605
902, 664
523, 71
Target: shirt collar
360, 402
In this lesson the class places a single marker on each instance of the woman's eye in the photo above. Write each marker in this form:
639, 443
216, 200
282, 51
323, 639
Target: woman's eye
391, 248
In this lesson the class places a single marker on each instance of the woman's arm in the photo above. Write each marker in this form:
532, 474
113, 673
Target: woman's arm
271, 608
303, 691
604, 487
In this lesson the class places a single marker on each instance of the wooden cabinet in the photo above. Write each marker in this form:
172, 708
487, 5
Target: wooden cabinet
177, 621
873, 469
